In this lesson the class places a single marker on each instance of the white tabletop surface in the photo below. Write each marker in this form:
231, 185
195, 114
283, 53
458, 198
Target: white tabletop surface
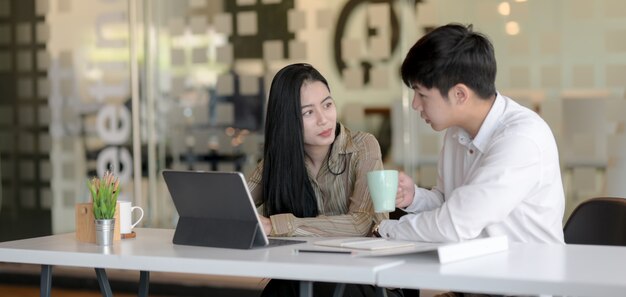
534, 269
152, 250
531, 269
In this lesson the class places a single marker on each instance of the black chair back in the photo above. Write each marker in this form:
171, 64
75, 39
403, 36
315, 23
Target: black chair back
597, 221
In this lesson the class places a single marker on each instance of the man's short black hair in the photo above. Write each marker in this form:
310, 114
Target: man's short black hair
449, 55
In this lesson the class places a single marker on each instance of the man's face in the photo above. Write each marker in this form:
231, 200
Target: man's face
436, 110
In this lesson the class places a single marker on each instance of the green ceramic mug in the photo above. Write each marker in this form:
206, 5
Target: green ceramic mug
383, 186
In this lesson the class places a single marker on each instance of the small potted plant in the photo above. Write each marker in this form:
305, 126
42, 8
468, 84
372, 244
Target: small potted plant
104, 192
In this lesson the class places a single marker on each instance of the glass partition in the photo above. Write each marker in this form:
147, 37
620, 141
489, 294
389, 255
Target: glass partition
140, 86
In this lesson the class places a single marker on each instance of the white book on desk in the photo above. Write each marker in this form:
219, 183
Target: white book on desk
446, 252
472, 248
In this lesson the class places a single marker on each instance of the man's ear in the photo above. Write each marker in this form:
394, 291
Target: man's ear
460, 93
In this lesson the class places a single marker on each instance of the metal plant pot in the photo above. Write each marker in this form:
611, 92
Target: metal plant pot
104, 232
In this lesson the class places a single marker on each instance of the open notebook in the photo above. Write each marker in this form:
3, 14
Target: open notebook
447, 252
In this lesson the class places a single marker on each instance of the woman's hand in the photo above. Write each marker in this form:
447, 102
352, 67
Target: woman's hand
267, 225
406, 191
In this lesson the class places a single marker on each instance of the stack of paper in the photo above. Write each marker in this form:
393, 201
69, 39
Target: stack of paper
369, 243
446, 252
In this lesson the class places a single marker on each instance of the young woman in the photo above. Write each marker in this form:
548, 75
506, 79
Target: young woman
312, 180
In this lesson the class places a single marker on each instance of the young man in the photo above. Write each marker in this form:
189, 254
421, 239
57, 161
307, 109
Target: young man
499, 166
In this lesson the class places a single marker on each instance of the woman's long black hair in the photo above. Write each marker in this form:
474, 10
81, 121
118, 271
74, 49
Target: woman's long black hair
286, 185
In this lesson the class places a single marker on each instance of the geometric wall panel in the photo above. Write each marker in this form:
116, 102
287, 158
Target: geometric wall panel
28, 199
25, 88
297, 50
64, 5
550, 76
353, 77
273, 50
6, 116
614, 8
43, 88
380, 47
176, 27
199, 55
224, 54
197, 3
583, 76
177, 56
248, 85
24, 63
580, 9
5, 34
42, 33
247, 23
323, 19
225, 85
5, 8
247, 38
519, 45
380, 77
198, 25
223, 23
520, 77
245, 2
296, 20
616, 75
23, 33
42, 7
26, 116
6, 63
27, 170
615, 41
351, 49
550, 42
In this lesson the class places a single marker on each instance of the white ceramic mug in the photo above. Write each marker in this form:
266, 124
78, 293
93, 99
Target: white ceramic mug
126, 217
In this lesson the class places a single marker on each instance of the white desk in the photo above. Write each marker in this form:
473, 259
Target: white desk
530, 269
525, 269
152, 250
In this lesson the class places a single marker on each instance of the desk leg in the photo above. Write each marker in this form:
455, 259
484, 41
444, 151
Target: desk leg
381, 292
103, 281
46, 281
306, 289
144, 282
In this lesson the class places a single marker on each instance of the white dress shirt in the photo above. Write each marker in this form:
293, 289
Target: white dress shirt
505, 181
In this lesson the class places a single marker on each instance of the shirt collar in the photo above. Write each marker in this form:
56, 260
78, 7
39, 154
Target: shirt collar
490, 123
336, 157
462, 136
341, 146
343, 143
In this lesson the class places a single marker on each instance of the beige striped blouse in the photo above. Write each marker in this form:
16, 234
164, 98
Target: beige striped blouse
345, 207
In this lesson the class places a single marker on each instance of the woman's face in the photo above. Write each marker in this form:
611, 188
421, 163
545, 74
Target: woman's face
319, 116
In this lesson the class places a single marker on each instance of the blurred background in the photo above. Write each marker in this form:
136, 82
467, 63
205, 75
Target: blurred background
141, 86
